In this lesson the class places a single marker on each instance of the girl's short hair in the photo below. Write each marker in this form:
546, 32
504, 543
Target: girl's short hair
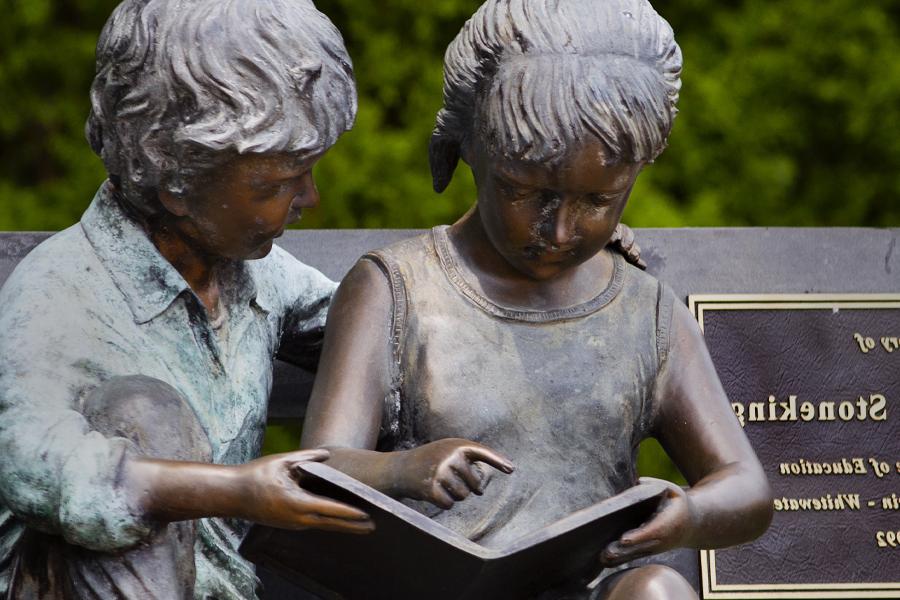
182, 86
532, 77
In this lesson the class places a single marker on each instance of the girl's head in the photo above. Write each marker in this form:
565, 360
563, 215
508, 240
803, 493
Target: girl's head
556, 105
528, 79
186, 87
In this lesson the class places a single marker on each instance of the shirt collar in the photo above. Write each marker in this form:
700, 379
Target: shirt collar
145, 278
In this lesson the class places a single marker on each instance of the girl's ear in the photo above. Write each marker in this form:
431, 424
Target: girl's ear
443, 155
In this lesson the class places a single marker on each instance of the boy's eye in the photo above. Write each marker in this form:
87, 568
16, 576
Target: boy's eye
272, 191
278, 189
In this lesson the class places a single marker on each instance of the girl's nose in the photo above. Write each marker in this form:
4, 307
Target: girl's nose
563, 229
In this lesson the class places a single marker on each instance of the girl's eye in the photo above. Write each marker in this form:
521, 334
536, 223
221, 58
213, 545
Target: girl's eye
601, 199
514, 193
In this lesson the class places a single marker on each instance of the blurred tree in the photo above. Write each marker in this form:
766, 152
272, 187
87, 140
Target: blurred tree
48, 174
788, 115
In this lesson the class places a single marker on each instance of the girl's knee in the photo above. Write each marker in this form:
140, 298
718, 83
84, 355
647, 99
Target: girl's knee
652, 582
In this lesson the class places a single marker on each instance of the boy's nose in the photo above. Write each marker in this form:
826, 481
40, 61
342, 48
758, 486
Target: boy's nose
308, 197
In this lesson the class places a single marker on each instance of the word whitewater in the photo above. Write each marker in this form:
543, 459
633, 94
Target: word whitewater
826, 502
873, 408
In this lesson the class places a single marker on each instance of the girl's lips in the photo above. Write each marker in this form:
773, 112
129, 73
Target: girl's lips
545, 254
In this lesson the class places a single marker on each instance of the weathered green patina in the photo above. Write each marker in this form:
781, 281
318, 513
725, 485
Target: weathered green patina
98, 301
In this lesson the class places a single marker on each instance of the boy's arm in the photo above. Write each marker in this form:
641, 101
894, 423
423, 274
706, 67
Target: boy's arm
301, 295
264, 491
60, 476
729, 501
56, 474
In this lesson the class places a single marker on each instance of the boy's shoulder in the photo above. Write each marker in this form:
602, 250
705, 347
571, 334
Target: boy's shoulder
282, 280
63, 262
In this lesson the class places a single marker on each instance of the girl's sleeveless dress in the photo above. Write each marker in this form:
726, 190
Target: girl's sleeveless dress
566, 394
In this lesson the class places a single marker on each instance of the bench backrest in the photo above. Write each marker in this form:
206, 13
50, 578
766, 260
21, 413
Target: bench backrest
691, 261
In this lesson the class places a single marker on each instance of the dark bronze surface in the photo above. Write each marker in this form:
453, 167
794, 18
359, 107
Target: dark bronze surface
556, 108
409, 556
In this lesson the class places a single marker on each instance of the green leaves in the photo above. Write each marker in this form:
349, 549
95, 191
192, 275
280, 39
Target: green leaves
789, 115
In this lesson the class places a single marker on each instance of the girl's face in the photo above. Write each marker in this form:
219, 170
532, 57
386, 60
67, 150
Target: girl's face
545, 218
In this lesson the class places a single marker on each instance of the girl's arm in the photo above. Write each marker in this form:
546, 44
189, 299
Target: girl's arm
345, 408
729, 501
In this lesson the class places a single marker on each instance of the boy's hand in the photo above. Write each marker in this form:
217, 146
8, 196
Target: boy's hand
623, 240
272, 495
670, 527
446, 471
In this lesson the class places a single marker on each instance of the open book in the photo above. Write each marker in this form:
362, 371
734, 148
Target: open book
409, 556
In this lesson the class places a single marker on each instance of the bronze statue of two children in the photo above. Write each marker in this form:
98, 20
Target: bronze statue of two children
516, 346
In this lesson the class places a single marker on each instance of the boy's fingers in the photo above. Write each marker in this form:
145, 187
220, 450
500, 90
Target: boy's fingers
327, 507
488, 456
331, 524
627, 237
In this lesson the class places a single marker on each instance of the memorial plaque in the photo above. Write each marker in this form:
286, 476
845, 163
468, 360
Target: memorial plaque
815, 381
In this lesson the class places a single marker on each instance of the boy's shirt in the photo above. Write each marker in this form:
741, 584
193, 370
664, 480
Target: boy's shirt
97, 301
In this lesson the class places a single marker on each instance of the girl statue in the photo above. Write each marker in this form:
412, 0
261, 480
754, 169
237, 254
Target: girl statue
514, 336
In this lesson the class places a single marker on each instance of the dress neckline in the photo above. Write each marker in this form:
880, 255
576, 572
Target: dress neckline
450, 265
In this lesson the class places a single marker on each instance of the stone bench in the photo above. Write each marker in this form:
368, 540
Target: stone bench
691, 261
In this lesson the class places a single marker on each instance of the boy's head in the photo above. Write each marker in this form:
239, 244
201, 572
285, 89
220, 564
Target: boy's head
185, 86
530, 79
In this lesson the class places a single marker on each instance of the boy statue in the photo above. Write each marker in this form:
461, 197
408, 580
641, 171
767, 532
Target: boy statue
137, 345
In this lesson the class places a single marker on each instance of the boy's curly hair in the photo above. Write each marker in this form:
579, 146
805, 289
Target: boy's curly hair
182, 86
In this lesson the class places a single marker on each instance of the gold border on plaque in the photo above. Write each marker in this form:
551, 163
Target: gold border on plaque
712, 590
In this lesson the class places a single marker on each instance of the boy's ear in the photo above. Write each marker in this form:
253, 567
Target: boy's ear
443, 156
174, 204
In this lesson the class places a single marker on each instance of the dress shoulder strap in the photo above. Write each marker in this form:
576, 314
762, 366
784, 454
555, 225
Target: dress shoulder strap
389, 266
394, 419
664, 305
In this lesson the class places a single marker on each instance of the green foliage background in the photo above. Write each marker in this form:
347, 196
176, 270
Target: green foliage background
790, 115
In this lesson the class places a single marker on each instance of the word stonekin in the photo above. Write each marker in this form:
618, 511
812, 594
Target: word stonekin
873, 408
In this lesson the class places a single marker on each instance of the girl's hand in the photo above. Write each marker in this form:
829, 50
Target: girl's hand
446, 471
272, 495
670, 527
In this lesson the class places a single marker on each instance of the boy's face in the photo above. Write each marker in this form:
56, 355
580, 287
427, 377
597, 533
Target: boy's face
242, 206
546, 218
